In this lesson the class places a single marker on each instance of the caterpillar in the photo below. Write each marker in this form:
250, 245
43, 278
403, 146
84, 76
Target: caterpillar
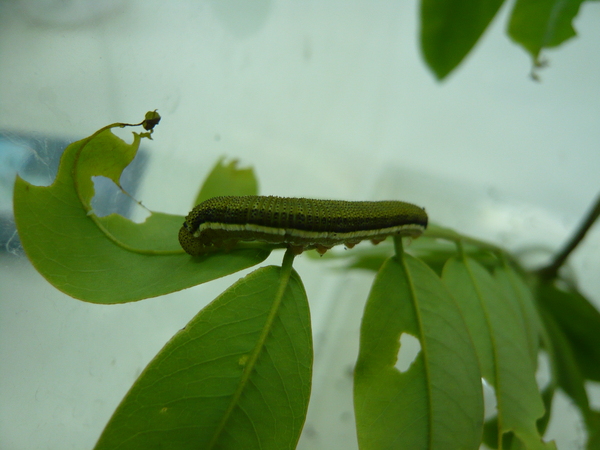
301, 223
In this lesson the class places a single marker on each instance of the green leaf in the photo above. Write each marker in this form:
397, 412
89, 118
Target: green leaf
502, 348
580, 322
490, 428
437, 403
517, 292
109, 259
227, 179
594, 431
156, 235
570, 378
450, 29
565, 366
547, 397
434, 248
537, 24
236, 377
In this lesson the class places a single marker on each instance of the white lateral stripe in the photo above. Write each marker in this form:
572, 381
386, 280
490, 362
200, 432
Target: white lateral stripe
316, 235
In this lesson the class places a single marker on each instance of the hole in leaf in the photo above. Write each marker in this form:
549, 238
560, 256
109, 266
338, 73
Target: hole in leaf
110, 199
409, 350
543, 374
593, 391
489, 400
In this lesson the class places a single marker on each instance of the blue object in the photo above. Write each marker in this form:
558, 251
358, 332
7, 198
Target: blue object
36, 158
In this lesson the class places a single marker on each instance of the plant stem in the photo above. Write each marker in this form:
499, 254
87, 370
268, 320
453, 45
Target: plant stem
398, 247
551, 271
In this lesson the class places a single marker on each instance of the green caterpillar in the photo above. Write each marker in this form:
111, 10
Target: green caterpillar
301, 223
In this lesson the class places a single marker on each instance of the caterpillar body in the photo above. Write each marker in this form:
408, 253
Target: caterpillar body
301, 223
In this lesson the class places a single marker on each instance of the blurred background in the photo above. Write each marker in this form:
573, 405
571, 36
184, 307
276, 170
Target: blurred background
325, 99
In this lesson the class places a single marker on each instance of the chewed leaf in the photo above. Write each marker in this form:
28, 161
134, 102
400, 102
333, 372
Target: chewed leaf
110, 259
434, 403
227, 179
101, 154
538, 25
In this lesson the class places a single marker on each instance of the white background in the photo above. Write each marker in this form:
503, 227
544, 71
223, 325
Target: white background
325, 99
